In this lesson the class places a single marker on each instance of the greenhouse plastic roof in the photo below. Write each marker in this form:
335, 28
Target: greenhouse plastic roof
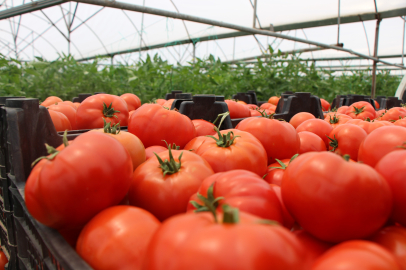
96, 30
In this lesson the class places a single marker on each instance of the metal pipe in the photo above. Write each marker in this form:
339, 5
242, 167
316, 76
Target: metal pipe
403, 41
159, 12
142, 28
373, 88
338, 23
255, 14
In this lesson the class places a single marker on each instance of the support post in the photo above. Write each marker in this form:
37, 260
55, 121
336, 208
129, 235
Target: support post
403, 41
255, 14
194, 52
373, 88
338, 24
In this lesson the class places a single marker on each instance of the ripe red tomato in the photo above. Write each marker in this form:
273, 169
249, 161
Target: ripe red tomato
400, 122
393, 168
299, 118
149, 151
91, 174
379, 113
274, 100
393, 114
236, 243
376, 104
393, 238
130, 142
325, 105
60, 121
133, 102
94, 109
168, 104
236, 150
268, 106
288, 220
68, 111
335, 200
160, 101
203, 127
163, 187
366, 125
241, 189
361, 110
336, 120
3, 260
317, 126
346, 140
77, 104
237, 110
107, 240
252, 106
314, 246
342, 109
69, 103
275, 172
153, 124
380, 142
356, 254
280, 139
310, 142
51, 101
261, 112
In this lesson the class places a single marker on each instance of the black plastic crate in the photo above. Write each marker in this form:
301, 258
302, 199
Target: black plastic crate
29, 127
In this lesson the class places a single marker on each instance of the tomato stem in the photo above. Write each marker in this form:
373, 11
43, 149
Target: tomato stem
209, 203
223, 117
334, 120
107, 128
173, 146
358, 110
333, 143
230, 214
346, 157
169, 166
224, 140
109, 111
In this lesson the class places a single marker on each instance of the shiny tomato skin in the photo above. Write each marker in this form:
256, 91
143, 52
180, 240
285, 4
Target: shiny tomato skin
203, 127
275, 175
380, 142
252, 106
274, 100
376, 104
367, 126
195, 241
342, 109
51, 101
153, 124
335, 200
90, 112
108, 240
393, 114
246, 152
60, 121
244, 190
237, 110
149, 151
393, 238
165, 196
310, 142
314, 246
356, 254
299, 118
132, 144
133, 101
3, 260
288, 220
94, 172
348, 138
279, 138
168, 104
268, 106
325, 105
68, 111
393, 168
366, 110
160, 101
317, 126
337, 119
400, 122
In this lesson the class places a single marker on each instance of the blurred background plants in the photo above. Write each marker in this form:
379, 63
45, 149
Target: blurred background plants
154, 77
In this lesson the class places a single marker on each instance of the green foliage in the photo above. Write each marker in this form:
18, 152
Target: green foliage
154, 77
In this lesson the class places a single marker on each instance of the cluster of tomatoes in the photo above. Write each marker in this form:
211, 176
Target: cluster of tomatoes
172, 193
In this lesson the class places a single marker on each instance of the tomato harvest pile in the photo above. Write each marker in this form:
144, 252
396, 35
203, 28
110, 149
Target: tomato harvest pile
146, 187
